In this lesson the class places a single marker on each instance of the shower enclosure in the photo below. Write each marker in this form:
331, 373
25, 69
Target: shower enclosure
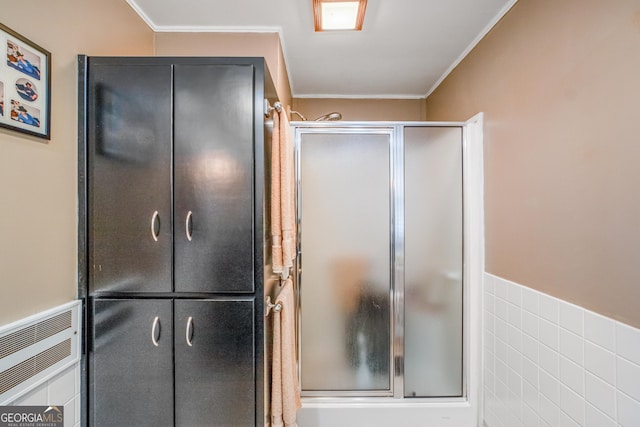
384, 267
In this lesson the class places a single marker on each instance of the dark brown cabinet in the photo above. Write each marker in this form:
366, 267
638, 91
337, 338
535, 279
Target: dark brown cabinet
214, 345
171, 189
149, 353
171, 148
213, 161
129, 168
132, 363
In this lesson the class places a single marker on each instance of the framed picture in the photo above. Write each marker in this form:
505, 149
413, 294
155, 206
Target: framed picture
25, 85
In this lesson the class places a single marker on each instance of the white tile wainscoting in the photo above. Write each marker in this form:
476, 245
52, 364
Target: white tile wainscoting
549, 363
62, 389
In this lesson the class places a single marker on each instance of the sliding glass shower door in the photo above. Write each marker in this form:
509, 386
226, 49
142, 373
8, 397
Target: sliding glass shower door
380, 271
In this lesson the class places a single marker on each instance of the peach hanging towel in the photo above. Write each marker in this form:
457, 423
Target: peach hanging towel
285, 393
283, 221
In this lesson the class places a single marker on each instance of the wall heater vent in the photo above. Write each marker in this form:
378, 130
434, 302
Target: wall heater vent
35, 349
23, 338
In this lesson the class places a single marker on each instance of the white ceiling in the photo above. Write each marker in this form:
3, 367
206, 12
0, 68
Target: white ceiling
405, 49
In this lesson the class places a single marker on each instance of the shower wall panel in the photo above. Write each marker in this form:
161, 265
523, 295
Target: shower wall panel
433, 262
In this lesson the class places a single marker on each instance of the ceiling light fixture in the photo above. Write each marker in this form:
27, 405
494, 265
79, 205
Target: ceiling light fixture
331, 15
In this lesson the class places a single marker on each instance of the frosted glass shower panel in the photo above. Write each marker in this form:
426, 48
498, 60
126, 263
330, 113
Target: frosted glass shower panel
433, 262
345, 243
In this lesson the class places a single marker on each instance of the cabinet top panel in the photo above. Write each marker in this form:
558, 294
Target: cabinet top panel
258, 62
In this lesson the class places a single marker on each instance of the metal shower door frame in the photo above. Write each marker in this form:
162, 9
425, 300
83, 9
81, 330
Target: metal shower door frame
395, 130
359, 129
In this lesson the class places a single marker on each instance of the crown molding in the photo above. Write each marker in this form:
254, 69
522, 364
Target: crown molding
343, 96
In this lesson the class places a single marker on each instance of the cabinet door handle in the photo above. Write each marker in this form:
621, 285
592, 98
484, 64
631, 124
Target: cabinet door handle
188, 226
189, 332
155, 331
155, 224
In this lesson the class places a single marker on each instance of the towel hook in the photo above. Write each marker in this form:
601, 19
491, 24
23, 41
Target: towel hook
270, 306
268, 109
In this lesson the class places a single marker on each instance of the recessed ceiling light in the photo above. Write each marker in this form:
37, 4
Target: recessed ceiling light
338, 14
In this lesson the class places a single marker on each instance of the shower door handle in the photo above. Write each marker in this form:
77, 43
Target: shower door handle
155, 331
189, 332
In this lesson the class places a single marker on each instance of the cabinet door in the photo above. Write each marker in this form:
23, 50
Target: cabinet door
214, 363
213, 125
131, 364
129, 168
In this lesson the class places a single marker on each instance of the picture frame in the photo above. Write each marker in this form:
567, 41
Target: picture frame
25, 85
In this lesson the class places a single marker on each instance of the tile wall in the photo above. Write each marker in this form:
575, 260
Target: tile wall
547, 362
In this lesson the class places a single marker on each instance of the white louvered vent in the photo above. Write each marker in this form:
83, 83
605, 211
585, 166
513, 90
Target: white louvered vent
37, 348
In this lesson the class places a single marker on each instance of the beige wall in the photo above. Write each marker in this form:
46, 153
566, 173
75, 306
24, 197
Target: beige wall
361, 109
265, 45
559, 84
38, 190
